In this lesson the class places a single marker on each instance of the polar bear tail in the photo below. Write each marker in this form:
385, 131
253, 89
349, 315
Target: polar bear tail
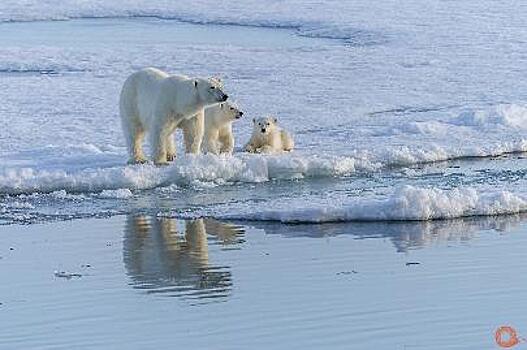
287, 141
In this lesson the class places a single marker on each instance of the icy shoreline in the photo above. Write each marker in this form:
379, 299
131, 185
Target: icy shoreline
358, 134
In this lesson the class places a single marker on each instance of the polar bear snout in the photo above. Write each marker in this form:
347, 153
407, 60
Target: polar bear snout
212, 93
239, 115
219, 95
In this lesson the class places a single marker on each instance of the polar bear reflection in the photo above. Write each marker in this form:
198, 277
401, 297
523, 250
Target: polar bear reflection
162, 255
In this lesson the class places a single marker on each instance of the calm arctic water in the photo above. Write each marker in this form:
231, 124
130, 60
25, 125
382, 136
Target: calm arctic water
402, 113
148, 282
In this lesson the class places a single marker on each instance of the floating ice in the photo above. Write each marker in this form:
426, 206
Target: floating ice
121, 193
406, 203
185, 171
67, 275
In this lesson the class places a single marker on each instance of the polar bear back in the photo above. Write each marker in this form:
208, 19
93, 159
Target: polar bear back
144, 89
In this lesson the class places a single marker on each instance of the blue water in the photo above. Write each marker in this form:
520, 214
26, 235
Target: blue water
149, 281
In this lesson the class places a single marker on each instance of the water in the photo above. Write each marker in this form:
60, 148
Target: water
90, 32
158, 282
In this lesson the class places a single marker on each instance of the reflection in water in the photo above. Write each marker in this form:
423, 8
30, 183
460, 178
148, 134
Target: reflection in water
163, 255
171, 257
404, 235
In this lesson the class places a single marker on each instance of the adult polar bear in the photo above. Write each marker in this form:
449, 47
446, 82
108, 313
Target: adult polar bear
155, 102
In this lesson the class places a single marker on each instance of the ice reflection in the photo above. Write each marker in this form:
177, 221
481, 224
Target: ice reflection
404, 235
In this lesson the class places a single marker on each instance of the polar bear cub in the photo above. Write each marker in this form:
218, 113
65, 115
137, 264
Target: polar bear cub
155, 102
267, 137
218, 136
214, 127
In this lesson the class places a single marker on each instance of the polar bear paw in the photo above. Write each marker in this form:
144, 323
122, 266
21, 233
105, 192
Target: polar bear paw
161, 163
138, 160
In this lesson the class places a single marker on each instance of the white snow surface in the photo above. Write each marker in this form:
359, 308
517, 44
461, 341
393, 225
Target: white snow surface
406, 203
371, 92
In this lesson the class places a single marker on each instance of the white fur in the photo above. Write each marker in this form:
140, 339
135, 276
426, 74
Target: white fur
215, 127
193, 130
267, 137
217, 120
156, 103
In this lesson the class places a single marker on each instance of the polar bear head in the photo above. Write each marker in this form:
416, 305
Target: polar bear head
222, 113
265, 125
229, 112
210, 91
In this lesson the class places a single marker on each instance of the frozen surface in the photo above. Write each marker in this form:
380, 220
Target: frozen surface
372, 92
407, 203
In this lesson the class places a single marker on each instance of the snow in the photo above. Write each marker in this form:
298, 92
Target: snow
371, 91
406, 203
187, 170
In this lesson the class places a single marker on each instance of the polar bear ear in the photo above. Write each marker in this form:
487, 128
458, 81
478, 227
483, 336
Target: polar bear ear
275, 120
254, 120
217, 82
195, 83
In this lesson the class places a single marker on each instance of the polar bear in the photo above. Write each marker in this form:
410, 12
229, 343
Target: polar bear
193, 130
155, 102
214, 126
267, 137
160, 254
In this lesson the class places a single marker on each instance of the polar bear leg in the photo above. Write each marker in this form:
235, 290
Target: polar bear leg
287, 141
211, 142
265, 149
276, 143
226, 139
134, 135
159, 137
193, 130
171, 148
186, 126
250, 146
138, 139
134, 132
